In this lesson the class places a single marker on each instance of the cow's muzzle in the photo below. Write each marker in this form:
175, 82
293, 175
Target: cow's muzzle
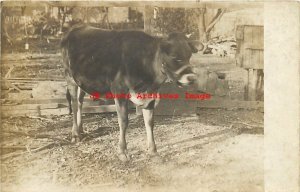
183, 76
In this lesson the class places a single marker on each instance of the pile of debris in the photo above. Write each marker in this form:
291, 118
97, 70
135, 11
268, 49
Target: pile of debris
221, 46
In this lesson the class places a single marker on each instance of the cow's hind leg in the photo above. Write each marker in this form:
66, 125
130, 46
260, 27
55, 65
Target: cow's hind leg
149, 124
68, 96
81, 94
73, 90
122, 110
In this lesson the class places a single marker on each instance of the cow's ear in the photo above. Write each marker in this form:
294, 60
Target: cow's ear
165, 46
193, 47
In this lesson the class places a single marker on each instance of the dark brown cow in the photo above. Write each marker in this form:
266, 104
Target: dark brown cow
97, 60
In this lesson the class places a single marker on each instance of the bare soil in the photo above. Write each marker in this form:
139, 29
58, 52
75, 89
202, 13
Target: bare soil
217, 150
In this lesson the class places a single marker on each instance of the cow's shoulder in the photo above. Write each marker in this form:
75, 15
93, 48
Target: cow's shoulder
73, 30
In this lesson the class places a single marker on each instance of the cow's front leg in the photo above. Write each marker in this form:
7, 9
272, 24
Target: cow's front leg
122, 110
149, 124
73, 89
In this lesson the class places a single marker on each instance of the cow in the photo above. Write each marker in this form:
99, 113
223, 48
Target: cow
98, 60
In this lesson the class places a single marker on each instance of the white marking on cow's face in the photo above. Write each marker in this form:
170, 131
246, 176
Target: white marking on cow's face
187, 79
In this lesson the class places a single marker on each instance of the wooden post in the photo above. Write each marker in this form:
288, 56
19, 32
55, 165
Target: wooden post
148, 14
246, 87
252, 84
261, 85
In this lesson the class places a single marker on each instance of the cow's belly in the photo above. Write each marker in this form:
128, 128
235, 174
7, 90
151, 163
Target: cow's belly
90, 86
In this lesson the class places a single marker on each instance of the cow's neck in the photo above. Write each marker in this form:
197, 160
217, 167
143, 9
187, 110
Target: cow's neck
160, 76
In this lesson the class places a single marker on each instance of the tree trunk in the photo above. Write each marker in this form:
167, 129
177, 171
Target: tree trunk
216, 18
62, 19
201, 26
6, 36
105, 20
206, 28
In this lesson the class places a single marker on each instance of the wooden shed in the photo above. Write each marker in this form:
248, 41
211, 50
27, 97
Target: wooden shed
250, 56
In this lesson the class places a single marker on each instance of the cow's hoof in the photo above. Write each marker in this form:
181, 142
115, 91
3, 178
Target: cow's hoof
75, 139
155, 157
124, 157
152, 153
81, 133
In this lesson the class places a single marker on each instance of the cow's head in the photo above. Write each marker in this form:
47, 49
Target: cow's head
177, 51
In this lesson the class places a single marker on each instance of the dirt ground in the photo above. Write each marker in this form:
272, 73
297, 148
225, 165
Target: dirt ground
216, 150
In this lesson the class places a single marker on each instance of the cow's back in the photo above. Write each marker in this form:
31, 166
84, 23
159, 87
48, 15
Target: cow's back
93, 57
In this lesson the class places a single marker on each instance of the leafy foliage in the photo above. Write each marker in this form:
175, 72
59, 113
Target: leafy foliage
176, 20
43, 24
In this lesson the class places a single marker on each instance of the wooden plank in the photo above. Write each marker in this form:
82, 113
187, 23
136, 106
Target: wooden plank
30, 106
87, 101
253, 59
57, 111
261, 60
12, 86
181, 107
36, 79
7, 75
14, 113
258, 37
248, 36
251, 48
18, 106
229, 104
14, 57
99, 109
34, 101
239, 34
